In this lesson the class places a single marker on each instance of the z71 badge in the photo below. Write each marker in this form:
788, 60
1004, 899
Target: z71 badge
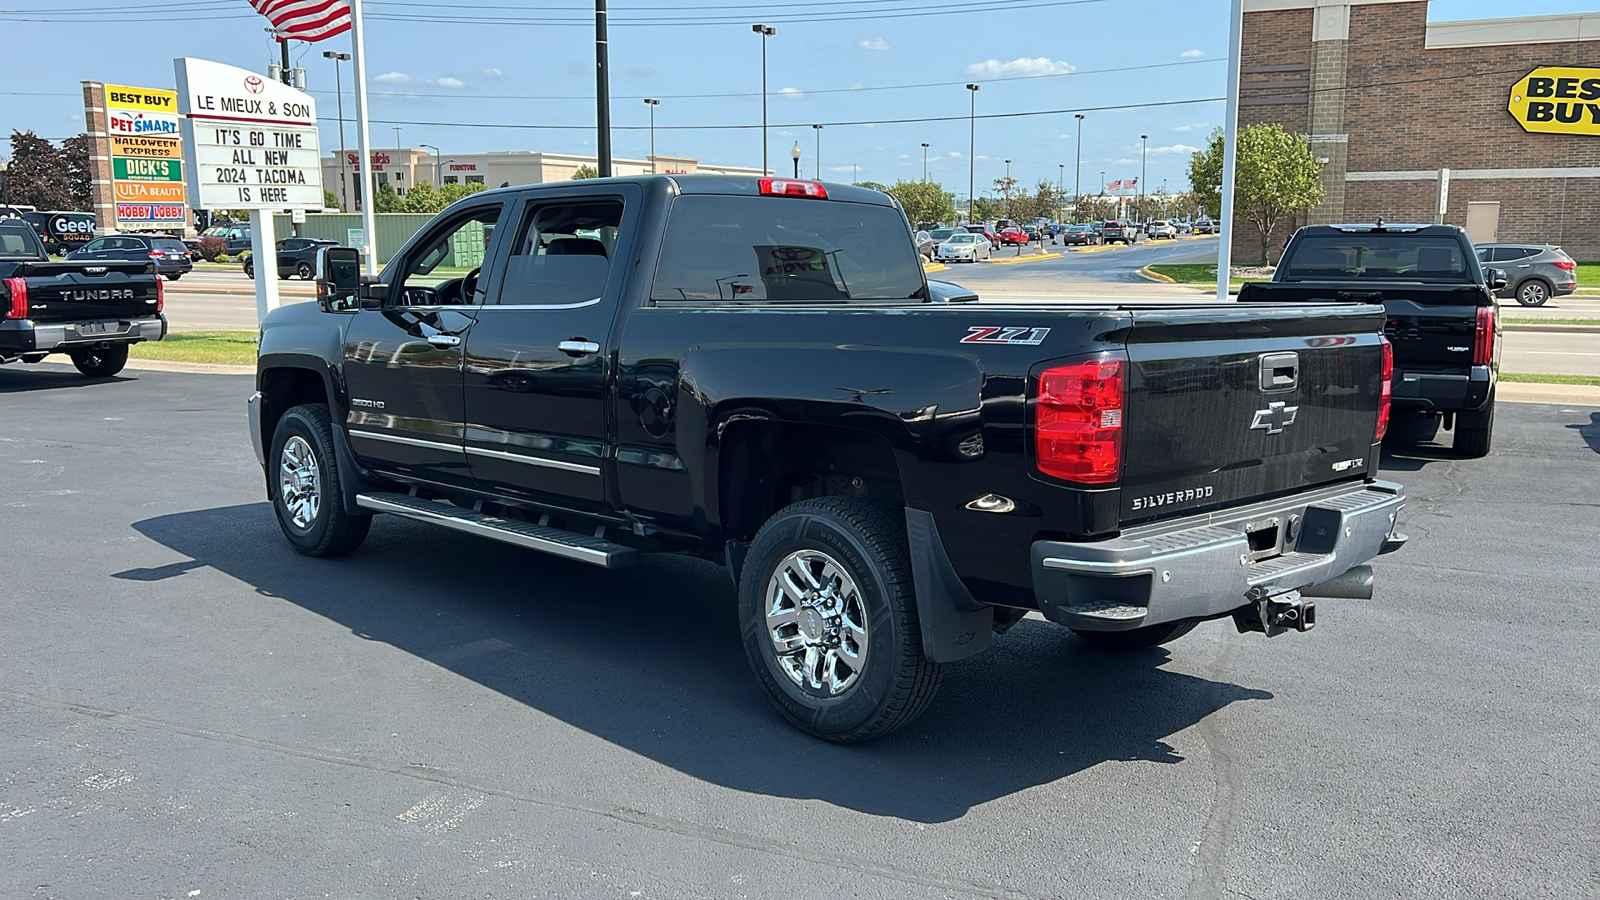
995, 334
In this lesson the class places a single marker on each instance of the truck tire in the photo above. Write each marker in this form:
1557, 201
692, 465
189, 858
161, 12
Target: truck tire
305, 271
1533, 292
829, 619
1137, 638
304, 479
101, 363
1474, 431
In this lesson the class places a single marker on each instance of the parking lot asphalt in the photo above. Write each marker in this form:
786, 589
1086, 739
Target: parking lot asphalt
187, 708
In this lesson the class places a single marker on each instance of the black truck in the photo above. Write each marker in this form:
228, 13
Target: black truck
1441, 317
91, 311
756, 372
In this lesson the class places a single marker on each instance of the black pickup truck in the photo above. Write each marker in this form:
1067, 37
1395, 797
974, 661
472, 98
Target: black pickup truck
91, 311
1441, 317
756, 372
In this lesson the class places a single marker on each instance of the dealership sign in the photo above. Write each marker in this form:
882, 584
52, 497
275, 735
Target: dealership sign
146, 155
1558, 100
249, 142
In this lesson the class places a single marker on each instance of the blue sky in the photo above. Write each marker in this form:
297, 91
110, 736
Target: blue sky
1110, 59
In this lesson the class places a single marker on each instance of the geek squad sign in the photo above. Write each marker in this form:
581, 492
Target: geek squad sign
1557, 100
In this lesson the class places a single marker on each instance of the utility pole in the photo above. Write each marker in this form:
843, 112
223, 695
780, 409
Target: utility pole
855, 177
438, 165
602, 91
818, 130
1144, 154
284, 72
972, 149
1077, 169
765, 31
397, 137
924, 162
652, 104
338, 92
1008, 188
1230, 149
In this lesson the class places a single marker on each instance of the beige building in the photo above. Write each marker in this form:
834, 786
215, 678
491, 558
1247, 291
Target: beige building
406, 166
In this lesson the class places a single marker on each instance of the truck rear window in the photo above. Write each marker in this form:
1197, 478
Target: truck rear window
776, 249
1402, 257
18, 242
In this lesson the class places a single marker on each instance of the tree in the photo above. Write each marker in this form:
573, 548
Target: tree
450, 193
77, 153
873, 185
330, 200
925, 201
1276, 177
386, 200
422, 198
585, 171
1205, 175
984, 209
37, 175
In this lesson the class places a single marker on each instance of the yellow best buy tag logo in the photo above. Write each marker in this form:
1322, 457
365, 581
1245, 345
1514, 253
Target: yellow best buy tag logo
1557, 100
120, 96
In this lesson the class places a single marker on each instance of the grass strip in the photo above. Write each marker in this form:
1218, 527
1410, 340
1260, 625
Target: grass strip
1529, 320
1195, 273
233, 348
1535, 378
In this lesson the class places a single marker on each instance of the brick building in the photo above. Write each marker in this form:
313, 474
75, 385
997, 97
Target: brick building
1387, 99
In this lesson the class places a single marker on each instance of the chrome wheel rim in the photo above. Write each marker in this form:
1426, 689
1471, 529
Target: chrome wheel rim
299, 482
817, 622
1533, 294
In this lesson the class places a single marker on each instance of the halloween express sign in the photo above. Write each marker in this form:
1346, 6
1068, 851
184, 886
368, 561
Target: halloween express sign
1557, 100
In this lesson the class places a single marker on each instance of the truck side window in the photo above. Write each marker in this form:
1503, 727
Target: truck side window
562, 252
443, 268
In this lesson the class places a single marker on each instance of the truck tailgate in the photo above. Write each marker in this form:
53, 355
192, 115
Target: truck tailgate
1234, 405
1430, 325
78, 292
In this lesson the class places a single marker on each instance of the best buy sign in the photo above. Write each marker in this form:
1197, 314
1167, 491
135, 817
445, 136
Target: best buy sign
1557, 100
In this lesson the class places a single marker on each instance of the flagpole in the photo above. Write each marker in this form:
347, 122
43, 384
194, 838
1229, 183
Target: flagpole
369, 193
1230, 150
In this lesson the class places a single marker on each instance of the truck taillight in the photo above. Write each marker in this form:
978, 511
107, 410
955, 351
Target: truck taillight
791, 187
18, 288
1078, 421
1385, 391
1483, 337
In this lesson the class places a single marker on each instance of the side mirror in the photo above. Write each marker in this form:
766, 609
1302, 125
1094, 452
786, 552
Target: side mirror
1496, 279
338, 278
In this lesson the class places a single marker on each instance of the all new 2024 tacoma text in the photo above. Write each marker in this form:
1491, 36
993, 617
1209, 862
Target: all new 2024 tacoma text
755, 371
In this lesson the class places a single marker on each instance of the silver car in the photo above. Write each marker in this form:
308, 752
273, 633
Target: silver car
1534, 272
965, 246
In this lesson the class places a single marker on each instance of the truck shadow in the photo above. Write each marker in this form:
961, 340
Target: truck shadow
649, 659
1415, 457
20, 378
1590, 432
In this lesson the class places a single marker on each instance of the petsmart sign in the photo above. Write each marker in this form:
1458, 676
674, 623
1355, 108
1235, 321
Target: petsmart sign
1557, 100
145, 147
249, 142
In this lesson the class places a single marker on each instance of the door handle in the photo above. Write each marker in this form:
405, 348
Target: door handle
444, 340
579, 347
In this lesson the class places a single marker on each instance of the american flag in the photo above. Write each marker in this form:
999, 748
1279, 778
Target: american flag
305, 20
1114, 186
1130, 183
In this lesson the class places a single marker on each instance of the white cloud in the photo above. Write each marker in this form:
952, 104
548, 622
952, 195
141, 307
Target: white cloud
1192, 54
396, 78
1022, 66
1175, 148
791, 93
876, 43
1121, 162
401, 79
1197, 126
454, 84
857, 86
491, 74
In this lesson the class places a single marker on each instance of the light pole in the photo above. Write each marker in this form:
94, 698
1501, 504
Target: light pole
818, 130
338, 92
765, 31
438, 165
924, 162
972, 149
855, 173
652, 104
796, 154
1008, 188
1077, 170
397, 137
602, 90
1144, 153
1061, 182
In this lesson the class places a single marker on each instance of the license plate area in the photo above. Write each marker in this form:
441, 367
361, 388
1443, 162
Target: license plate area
97, 329
1265, 538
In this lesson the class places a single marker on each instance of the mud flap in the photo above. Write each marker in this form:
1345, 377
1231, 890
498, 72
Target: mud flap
954, 625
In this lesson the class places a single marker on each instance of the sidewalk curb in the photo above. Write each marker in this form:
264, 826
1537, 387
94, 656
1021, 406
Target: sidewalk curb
1556, 329
1011, 260
1145, 273
1538, 392
935, 267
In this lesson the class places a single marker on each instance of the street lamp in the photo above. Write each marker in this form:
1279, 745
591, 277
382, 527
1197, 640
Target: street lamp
924, 162
338, 91
397, 137
972, 149
652, 104
1144, 153
1077, 171
438, 165
765, 31
796, 154
818, 130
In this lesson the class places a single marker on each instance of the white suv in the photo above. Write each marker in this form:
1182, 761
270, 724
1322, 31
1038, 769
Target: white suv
1161, 228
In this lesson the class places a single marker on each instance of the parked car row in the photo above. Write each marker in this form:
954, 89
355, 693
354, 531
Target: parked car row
168, 255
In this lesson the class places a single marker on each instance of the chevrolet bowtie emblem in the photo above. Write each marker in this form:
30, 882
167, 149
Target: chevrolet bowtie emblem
1275, 418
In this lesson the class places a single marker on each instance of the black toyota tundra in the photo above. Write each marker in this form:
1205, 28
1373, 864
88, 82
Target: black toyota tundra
91, 311
1440, 314
754, 371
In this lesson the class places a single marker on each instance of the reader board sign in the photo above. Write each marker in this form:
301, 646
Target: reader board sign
1557, 100
146, 155
249, 142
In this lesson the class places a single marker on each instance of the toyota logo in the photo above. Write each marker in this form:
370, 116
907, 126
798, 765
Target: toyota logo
253, 84
791, 254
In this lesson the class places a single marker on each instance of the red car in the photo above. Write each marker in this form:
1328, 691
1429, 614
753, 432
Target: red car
986, 231
1013, 234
